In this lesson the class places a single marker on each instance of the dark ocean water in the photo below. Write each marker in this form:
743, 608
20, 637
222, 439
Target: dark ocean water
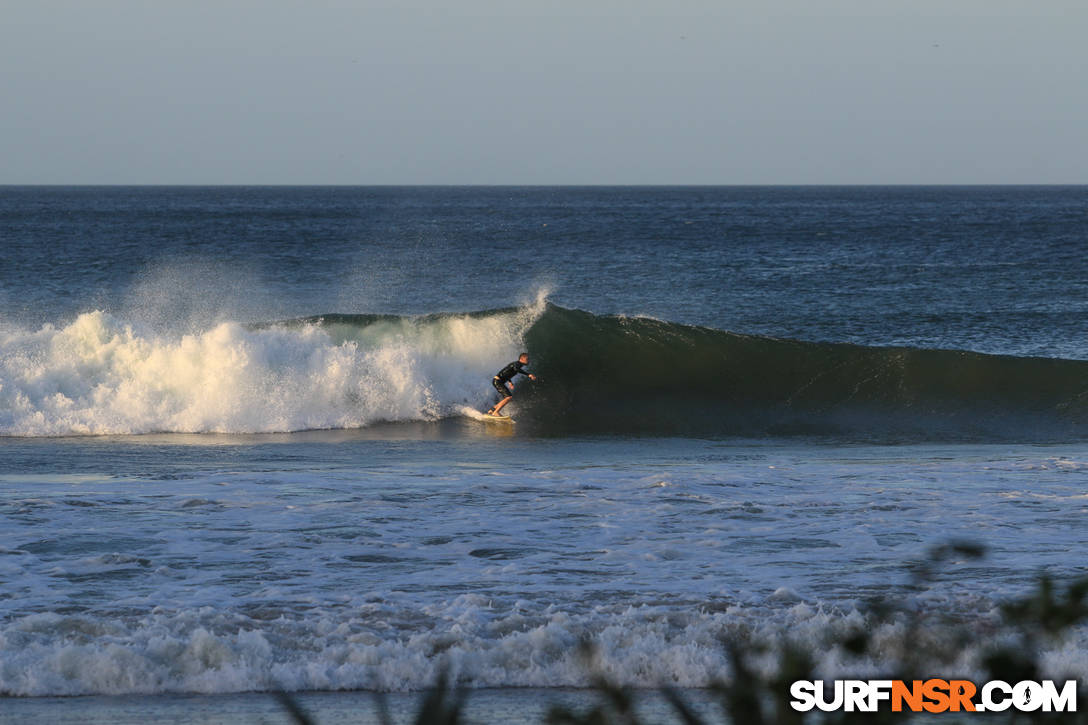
239, 446
991, 269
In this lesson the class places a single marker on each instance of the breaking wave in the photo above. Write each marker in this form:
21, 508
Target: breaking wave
599, 374
485, 644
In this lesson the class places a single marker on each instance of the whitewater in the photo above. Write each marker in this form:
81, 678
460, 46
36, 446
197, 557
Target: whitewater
333, 563
100, 375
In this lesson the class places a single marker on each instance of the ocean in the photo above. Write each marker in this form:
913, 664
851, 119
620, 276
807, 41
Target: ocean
241, 447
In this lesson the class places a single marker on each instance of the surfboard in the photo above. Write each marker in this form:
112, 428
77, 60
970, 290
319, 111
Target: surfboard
497, 419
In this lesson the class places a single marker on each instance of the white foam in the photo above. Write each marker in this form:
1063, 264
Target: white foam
102, 375
485, 643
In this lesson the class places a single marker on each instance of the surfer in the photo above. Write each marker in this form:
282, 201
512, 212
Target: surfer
502, 383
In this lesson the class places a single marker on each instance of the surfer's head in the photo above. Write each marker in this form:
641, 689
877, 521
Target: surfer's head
523, 357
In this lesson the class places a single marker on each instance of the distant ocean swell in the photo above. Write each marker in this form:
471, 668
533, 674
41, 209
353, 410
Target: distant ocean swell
599, 374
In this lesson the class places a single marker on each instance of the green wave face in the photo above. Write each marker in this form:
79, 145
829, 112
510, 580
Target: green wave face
637, 374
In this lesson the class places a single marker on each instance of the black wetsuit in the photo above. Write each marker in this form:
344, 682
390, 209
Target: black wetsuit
505, 375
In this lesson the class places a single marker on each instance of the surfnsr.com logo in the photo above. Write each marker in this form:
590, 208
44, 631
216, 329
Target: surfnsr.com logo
934, 695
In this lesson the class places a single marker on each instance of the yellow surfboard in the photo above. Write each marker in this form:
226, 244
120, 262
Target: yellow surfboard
498, 419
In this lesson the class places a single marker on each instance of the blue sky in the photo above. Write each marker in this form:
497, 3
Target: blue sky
587, 92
